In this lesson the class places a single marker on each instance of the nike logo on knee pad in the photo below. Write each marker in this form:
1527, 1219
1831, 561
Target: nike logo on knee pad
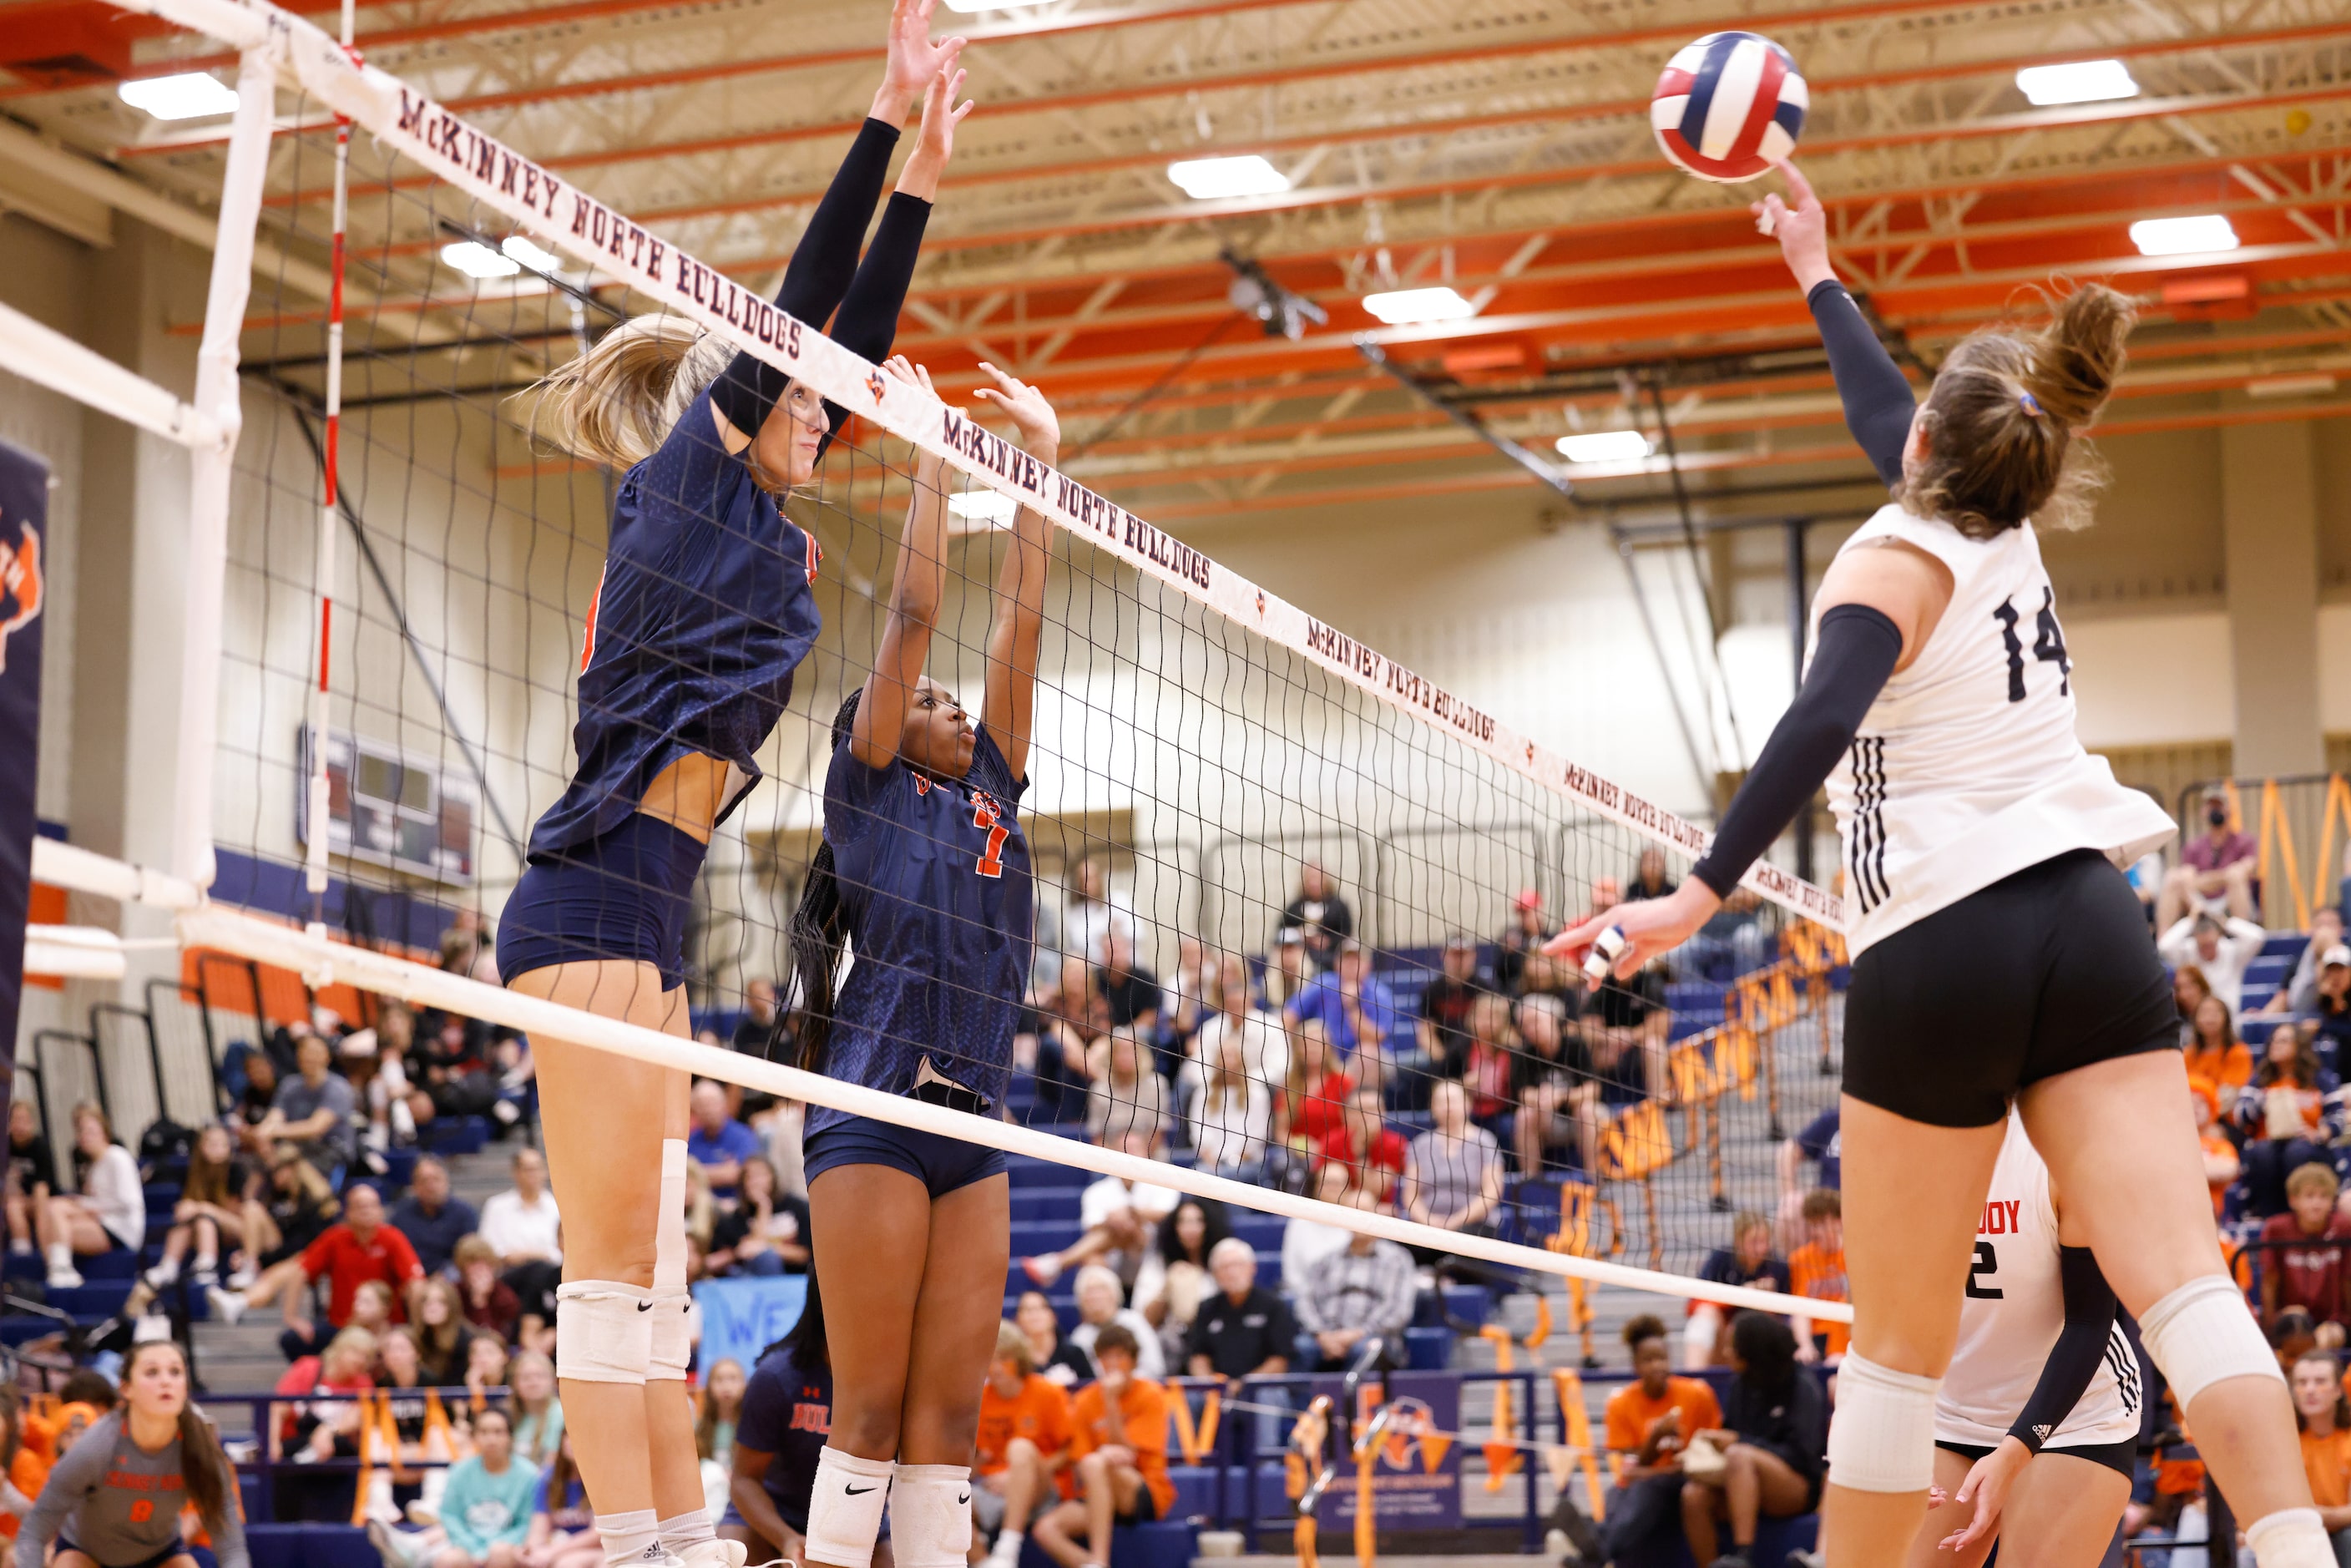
644, 1306
859, 1491
963, 1499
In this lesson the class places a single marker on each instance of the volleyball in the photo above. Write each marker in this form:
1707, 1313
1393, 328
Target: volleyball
1728, 107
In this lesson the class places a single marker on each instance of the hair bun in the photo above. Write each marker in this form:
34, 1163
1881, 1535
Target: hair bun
2077, 358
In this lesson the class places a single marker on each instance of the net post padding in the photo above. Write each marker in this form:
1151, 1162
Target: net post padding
322, 963
566, 217
217, 398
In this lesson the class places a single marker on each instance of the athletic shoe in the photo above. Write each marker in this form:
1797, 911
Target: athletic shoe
227, 1305
1800, 1558
396, 1547
164, 1274
420, 1512
64, 1280
242, 1277
1732, 1560
716, 1554
1042, 1271
205, 1279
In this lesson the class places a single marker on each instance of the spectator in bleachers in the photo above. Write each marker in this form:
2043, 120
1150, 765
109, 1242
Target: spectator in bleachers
2220, 948
32, 1166
1529, 929
1187, 1237
1190, 995
1558, 1093
1750, 1262
1355, 1007
2323, 1415
209, 1215
22, 1467
2303, 1265
486, 1510
1024, 1431
443, 1338
1647, 1425
311, 1111
562, 1525
719, 1413
1649, 877
2189, 990
1236, 1017
535, 1406
1821, 1144
1364, 1290
1093, 912
1228, 1110
1607, 893
1627, 1025
432, 1217
489, 1302
284, 1214
717, 1142
2214, 1051
2300, 992
1125, 1094
2288, 1115
761, 1027
1286, 969
1119, 1441
1317, 1090
1732, 941
2215, 871
1244, 1330
1817, 1270
327, 1430
1489, 1069
765, 1232
1305, 1241
396, 1106
1371, 1152
110, 1213
1318, 915
354, 1250
2221, 1165
1445, 1006
1101, 1303
1134, 992
1053, 1357
1062, 1063
523, 1226
1453, 1174
2329, 1025
1119, 1222
1774, 1439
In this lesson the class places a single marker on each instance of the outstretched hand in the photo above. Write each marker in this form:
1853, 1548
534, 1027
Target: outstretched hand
1650, 927
1039, 426
1802, 229
930, 466
1987, 1487
934, 144
913, 62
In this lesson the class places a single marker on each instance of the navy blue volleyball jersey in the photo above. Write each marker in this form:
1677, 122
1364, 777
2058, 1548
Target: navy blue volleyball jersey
787, 1413
935, 879
705, 609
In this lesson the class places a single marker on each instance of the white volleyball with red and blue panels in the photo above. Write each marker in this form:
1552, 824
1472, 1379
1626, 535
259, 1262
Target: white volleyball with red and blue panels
1728, 107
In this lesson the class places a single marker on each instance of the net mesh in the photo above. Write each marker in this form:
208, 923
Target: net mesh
1214, 815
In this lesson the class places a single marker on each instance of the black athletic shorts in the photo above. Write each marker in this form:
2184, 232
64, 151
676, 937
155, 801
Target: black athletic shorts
2122, 1457
2044, 971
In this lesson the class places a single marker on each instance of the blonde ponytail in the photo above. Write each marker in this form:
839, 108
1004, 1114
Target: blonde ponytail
618, 402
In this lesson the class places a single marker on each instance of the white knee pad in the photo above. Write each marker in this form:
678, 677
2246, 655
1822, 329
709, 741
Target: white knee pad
845, 1508
672, 1354
1882, 1438
930, 1516
603, 1331
2291, 1538
2203, 1333
669, 1222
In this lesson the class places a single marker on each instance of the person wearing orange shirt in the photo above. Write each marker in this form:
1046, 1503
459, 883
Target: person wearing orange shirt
1120, 1443
1817, 1268
1647, 1424
1023, 1449
2214, 1051
2325, 1418
23, 1472
2220, 1163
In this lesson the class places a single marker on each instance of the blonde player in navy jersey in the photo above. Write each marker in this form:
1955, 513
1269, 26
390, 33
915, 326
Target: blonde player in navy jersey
2036, 1426
924, 878
1998, 954
702, 618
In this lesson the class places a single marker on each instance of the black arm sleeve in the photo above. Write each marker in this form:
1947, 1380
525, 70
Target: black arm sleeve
819, 275
1877, 399
868, 322
1858, 649
2081, 1346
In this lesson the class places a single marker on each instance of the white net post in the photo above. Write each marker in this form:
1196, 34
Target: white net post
217, 398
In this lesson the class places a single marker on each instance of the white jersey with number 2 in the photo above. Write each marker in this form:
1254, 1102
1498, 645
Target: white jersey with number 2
2015, 1306
1966, 768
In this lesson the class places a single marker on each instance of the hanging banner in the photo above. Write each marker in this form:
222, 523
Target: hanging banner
24, 522
742, 1317
1417, 1469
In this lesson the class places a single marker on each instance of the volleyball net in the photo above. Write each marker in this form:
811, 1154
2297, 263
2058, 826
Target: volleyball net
1260, 847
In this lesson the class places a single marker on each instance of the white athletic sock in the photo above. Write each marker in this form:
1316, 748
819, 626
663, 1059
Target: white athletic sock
1007, 1545
630, 1538
60, 1255
686, 1530
2291, 1538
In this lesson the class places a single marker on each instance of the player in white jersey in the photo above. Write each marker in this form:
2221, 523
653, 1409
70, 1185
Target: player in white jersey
2036, 1426
1998, 954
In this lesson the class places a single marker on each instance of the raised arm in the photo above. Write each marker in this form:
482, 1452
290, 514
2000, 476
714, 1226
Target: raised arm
916, 591
1878, 402
1010, 699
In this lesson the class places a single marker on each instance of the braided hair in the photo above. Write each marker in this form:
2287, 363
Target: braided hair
820, 928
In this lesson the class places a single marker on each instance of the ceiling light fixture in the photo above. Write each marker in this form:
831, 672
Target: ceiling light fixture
192, 95
1604, 446
2076, 81
1412, 307
983, 506
2183, 237
1215, 179
474, 259
522, 248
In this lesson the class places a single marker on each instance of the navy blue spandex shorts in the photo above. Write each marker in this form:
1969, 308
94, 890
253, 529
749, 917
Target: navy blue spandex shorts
941, 1165
623, 896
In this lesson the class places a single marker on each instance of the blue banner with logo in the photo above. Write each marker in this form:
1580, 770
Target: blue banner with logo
1417, 1469
740, 1318
23, 523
